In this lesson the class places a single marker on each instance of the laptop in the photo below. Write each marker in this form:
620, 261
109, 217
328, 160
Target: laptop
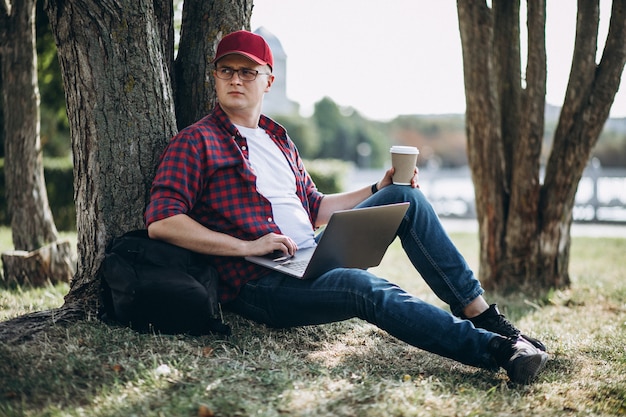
356, 238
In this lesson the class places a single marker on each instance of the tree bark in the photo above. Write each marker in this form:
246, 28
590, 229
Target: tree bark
522, 124
25, 327
588, 100
483, 130
32, 225
524, 225
164, 13
52, 263
121, 112
116, 72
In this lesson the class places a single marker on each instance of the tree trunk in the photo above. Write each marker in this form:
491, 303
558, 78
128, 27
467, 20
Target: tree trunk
32, 225
121, 113
524, 225
588, 100
52, 263
484, 134
116, 71
195, 95
31, 219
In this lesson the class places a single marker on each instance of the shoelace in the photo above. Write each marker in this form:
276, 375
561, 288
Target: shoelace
501, 321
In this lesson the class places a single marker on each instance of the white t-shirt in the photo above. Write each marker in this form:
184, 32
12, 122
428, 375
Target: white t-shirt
276, 182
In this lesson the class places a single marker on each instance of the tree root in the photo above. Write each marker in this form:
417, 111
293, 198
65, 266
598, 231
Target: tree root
23, 328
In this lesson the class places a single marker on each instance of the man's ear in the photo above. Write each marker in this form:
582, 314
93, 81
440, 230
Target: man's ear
270, 81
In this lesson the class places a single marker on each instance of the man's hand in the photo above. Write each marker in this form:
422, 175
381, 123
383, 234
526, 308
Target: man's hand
388, 179
272, 242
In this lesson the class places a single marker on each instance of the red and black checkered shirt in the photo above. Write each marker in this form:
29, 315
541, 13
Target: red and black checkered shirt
205, 173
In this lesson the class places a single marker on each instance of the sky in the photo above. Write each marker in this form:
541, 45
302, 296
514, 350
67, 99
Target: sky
398, 56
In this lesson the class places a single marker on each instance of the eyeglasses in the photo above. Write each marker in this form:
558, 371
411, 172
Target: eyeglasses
245, 74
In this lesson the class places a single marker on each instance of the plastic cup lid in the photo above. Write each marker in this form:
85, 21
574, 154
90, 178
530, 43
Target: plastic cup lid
404, 149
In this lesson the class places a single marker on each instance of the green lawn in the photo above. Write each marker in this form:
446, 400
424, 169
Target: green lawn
341, 369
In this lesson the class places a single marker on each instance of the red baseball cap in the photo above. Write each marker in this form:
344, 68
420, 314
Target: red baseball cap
247, 44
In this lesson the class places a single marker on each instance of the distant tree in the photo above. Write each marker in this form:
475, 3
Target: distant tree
55, 129
116, 62
611, 149
372, 137
525, 221
328, 119
341, 131
303, 132
441, 139
32, 224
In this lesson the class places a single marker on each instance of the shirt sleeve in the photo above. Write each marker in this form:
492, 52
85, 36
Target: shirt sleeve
177, 182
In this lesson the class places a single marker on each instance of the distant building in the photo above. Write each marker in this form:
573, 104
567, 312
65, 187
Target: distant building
276, 101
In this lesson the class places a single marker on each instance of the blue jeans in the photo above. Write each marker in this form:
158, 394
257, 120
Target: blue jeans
278, 300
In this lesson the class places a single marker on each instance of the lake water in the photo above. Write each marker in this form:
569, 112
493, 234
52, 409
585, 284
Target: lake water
601, 195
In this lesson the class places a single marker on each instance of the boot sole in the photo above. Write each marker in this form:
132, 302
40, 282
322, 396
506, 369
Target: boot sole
526, 368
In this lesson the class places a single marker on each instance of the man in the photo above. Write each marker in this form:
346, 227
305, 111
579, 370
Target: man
233, 185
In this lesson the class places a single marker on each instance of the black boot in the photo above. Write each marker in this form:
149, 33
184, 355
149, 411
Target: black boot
521, 360
493, 321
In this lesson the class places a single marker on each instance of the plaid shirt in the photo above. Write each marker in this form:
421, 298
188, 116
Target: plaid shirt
205, 173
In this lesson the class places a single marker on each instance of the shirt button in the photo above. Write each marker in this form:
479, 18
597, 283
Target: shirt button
270, 220
243, 148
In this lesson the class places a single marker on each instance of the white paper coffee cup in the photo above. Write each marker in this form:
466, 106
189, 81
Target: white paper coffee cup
404, 160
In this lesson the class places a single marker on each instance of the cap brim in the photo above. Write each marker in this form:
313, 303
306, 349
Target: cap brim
247, 55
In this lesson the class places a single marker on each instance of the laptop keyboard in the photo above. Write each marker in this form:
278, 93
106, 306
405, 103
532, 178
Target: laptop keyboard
298, 266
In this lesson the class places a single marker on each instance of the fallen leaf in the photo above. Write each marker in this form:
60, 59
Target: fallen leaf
204, 411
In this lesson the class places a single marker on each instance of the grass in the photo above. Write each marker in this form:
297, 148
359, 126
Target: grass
341, 369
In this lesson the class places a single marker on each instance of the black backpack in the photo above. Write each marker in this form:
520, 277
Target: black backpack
151, 285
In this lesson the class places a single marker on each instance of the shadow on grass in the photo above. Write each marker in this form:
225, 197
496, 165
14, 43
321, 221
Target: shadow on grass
114, 371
